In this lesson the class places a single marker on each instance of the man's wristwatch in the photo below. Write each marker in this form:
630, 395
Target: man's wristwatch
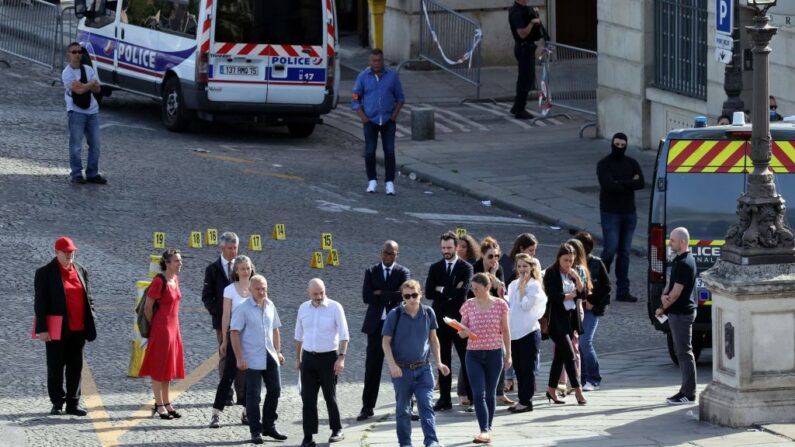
340, 355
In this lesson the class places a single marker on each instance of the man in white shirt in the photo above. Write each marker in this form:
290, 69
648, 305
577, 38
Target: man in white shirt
321, 340
80, 84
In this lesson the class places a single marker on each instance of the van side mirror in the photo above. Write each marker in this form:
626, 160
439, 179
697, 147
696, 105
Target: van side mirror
80, 8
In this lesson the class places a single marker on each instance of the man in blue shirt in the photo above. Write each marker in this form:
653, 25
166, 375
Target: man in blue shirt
377, 100
413, 328
257, 345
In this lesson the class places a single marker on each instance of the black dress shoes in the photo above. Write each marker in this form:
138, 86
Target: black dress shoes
257, 439
97, 179
336, 436
523, 115
442, 406
56, 410
308, 442
366, 413
76, 411
275, 434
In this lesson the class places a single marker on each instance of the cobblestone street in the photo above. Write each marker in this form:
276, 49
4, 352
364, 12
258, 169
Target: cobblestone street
237, 177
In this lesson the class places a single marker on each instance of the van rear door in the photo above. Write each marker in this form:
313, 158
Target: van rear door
297, 36
239, 51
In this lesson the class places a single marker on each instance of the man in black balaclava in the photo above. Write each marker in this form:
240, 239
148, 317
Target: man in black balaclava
619, 177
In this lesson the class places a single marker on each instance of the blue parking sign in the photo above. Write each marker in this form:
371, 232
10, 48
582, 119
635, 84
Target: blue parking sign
723, 16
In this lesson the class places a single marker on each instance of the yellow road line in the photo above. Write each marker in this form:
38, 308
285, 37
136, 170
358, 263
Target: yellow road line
109, 433
222, 157
273, 174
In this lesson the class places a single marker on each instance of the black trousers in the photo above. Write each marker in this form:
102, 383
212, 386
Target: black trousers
448, 338
525, 363
273, 389
564, 356
373, 365
526, 79
65, 355
230, 375
317, 372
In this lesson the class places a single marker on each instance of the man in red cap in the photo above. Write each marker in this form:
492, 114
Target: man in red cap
64, 320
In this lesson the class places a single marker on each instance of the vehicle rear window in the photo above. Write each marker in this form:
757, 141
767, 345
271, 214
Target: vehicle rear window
277, 22
705, 204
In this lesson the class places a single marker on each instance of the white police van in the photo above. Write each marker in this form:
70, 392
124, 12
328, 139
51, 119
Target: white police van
273, 60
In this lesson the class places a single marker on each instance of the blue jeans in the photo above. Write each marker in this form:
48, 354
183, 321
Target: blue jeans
387, 131
83, 124
273, 389
617, 231
418, 382
590, 362
483, 369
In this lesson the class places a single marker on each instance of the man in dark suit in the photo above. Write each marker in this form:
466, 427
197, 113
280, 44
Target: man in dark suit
217, 276
381, 293
447, 286
62, 290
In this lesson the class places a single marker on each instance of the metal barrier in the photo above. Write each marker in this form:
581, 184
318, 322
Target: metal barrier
29, 29
573, 79
68, 31
450, 41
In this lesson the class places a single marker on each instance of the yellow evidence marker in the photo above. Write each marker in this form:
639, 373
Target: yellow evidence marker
211, 237
154, 265
460, 232
159, 240
195, 240
317, 260
325, 241
255, 242
333, 258
278, 233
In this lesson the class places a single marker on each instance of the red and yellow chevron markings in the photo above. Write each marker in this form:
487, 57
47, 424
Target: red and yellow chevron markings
725, 156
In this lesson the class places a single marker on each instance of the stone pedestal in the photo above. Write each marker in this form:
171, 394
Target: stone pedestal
423, 124
753, 333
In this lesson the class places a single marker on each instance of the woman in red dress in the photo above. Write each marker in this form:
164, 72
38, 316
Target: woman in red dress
163, 361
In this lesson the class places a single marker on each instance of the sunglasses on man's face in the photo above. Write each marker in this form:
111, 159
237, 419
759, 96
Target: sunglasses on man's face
74, 51
414, 296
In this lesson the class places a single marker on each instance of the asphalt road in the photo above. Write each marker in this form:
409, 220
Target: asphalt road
229, 176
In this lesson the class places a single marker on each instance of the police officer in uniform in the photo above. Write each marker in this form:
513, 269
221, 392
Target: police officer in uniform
526, 29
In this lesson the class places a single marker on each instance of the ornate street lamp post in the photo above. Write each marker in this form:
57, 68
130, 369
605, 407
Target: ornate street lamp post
753, 284
761, 236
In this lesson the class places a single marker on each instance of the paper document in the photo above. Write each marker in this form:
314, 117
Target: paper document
662, 318
458, 326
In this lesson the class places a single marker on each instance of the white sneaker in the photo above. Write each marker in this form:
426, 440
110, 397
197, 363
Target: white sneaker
589, 387
371, 186
390, 189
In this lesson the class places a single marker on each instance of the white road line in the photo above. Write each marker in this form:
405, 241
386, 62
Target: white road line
460, 117
509, 118
538, 115
113, 123
470, 218
505, 106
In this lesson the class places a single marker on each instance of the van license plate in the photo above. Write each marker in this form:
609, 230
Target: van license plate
238, 70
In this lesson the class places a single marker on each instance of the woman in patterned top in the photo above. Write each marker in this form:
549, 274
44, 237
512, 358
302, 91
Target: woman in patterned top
486, 318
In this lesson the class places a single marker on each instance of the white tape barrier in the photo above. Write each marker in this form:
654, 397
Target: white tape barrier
466, 57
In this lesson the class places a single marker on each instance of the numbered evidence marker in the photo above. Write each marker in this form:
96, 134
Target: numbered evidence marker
317, 260
211, 237
195, 239
325, 241
460, 232
255, 242
333, 258
278, 233
159, 240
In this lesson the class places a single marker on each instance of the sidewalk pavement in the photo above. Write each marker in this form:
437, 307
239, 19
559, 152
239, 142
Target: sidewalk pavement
629, 410
547, 173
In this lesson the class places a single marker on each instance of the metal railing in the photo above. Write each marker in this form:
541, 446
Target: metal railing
68, 32
573, 79
29, 29
680, 46
450, 41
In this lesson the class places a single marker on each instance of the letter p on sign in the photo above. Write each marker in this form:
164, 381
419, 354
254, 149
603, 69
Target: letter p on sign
723, 14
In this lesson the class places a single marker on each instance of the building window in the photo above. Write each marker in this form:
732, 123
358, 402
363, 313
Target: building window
680, 47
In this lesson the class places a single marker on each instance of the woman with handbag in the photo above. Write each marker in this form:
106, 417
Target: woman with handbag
164, 358
527, 302
563, 287
581, 267
234, 295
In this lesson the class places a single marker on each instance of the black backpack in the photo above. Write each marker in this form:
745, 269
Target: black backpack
144, 325
83, 100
